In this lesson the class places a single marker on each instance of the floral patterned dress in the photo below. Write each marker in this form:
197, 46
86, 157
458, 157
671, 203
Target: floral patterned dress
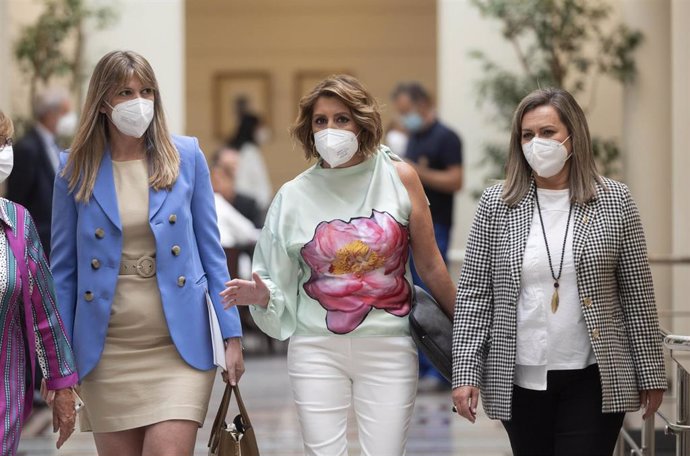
27, 328
334, 253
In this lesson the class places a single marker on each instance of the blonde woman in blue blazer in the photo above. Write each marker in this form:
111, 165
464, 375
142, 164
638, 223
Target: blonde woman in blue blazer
136, 252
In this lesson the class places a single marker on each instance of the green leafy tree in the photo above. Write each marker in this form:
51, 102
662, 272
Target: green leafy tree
559, 43
43, 49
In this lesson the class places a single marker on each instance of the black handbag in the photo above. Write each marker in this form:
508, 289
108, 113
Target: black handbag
432, 331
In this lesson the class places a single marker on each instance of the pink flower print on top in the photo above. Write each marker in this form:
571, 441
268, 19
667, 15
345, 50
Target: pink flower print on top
356, 266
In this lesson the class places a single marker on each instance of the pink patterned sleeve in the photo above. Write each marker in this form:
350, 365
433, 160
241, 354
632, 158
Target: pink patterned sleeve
52, 344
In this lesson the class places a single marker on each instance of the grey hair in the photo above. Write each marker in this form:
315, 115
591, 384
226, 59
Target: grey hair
49, 100
583, 177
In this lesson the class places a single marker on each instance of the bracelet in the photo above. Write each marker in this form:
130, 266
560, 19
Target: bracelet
78, 402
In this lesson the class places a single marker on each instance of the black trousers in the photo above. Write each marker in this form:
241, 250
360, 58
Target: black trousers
564, 420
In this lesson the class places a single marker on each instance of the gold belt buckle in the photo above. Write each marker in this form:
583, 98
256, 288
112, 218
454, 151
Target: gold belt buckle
146, 267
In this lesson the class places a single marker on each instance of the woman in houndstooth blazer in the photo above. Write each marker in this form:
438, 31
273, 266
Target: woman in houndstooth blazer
555, 319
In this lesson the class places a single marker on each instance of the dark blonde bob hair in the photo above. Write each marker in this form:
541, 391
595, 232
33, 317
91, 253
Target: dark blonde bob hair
583, 178
364, 108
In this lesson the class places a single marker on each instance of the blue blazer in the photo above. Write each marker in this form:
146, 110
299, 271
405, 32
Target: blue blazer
87, 246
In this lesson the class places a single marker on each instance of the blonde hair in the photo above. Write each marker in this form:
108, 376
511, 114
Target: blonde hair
583, 175
6, 125
356, 97
114, 70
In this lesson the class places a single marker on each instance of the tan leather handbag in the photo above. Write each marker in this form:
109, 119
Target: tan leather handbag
236, 438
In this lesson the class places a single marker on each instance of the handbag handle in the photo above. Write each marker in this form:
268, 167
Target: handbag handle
241, 407
219, 423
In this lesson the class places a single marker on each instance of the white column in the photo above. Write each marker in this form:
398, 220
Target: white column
647, 138
680, 150
5, 57
155, 29
647, 133
461, 29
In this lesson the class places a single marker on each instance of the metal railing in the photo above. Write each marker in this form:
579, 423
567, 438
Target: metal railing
677, 346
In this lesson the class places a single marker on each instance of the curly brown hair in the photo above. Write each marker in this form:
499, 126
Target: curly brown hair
365, 111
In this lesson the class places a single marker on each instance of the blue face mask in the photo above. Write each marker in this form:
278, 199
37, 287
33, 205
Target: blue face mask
413, 122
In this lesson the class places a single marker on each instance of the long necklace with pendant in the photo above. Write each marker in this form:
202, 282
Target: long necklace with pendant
556, 278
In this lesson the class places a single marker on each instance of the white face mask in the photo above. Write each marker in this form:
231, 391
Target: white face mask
336, 146
6, 162
133, 117
546, 156
67, 124
263, 136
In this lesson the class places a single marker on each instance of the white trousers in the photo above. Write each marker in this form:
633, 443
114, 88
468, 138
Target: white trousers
378, 375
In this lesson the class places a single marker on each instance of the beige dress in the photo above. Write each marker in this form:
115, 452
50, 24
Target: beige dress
141, 378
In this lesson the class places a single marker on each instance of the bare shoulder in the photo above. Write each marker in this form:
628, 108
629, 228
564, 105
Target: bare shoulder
407, 174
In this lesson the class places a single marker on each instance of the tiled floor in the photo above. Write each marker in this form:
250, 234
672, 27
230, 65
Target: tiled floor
265, 389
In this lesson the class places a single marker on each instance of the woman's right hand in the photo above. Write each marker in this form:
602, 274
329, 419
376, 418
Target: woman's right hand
465, 399
64, 414
246, 292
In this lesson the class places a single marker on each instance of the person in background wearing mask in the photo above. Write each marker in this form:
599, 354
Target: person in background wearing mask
252, 176
397, 138
29, 321
136, 255
37, 158
331, 273
435, 151
555, 318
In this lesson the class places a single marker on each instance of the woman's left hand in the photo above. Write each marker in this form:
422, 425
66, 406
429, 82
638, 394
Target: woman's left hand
246, 292
234, 361
650, 400
64, 415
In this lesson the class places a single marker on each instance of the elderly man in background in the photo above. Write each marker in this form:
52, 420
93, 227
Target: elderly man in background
36, 158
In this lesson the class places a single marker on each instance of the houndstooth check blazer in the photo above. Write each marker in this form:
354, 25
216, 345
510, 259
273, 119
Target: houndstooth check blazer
614, 284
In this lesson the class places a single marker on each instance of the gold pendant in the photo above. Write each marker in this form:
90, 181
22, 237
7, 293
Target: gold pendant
554, 301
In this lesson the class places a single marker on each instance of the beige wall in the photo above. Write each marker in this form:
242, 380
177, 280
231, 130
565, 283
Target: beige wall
380, 42
5, 58
14, 91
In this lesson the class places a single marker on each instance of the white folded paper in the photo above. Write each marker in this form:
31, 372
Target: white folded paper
216, 337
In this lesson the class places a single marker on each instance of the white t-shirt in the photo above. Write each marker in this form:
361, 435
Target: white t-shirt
546, 340
251, 177
235, 229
